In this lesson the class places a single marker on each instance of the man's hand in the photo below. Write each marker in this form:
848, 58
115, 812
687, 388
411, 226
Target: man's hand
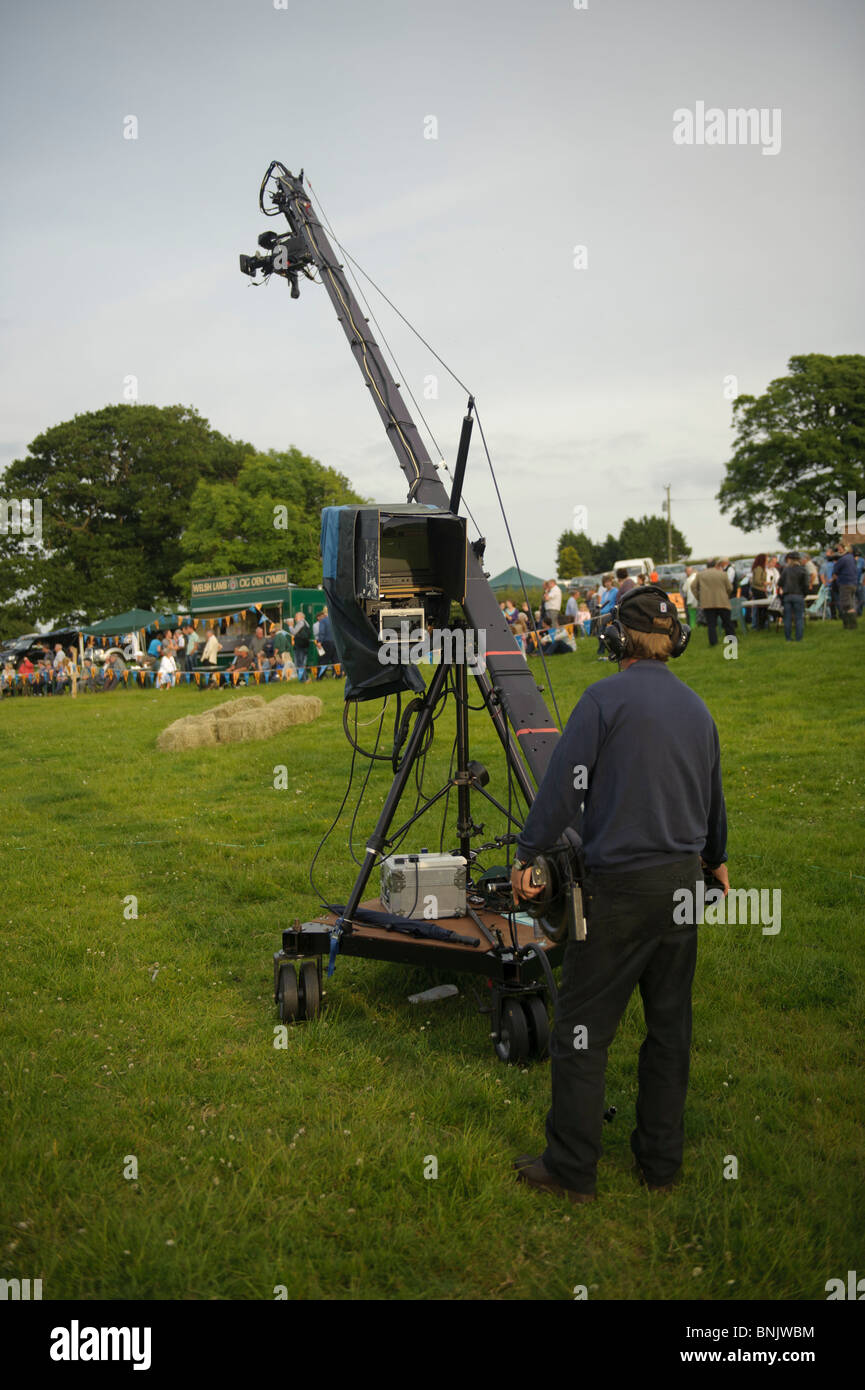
721, 875
521, 883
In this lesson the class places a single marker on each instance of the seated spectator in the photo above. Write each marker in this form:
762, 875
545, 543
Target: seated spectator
243, 659
256, 647
562, 642
111, 672
7, 679
26, 671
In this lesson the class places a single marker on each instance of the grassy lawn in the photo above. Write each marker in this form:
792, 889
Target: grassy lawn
153, 1038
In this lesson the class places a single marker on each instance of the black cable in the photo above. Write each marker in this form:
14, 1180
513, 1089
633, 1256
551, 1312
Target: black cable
379, 757
365, 781
327, 834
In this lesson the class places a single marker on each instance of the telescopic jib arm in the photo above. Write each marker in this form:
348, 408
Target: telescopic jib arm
508, 684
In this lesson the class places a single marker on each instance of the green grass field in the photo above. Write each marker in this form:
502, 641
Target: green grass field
153, 1038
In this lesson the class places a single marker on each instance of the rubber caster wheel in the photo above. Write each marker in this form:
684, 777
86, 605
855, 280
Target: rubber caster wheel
287, 995
539, 1026
310, 990
513, 1043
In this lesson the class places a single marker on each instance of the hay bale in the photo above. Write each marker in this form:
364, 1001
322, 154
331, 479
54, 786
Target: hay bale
248, 724
238, 721
232, 707
190, 732
292, 709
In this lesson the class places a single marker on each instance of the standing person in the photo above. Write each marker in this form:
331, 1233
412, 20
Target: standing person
167, 668
326, 643
730, 571
301, 637
847, 578
571, 610
606, 604
551, 606
691, 603
793, 588
812, 573
759, 589
712, 589
860, 577
193, 641
642, 739
212, 648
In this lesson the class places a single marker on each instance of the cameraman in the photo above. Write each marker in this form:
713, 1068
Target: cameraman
641, 753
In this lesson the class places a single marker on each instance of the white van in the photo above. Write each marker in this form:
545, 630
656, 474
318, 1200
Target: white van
645, 565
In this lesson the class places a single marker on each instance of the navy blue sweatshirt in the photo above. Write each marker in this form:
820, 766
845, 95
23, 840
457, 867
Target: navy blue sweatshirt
651, 787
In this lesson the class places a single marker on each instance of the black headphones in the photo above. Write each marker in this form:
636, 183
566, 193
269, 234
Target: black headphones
615, 636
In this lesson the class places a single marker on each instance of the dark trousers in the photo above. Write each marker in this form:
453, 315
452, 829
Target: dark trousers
631, 940
794, 609
712, 616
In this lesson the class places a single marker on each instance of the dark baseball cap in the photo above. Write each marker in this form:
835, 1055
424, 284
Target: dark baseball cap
648, 609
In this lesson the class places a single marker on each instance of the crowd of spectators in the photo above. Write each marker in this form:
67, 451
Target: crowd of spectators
778, 590
279, 652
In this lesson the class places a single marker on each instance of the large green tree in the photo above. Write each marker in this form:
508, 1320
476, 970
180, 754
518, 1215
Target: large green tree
798, 446
114, 487
648, 536
268, 518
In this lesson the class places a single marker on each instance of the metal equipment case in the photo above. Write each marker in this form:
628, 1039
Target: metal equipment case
410, 881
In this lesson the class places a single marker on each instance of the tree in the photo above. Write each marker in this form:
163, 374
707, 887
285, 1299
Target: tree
606, 554
648, 536
269, 518
798, 447
570, 564
579, 542
113, 486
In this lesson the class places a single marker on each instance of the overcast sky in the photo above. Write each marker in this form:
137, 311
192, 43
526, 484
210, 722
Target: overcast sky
596, 385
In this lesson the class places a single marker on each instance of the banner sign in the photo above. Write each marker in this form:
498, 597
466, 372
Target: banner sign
236, 585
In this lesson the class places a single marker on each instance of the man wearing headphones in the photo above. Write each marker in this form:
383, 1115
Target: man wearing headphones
637, 774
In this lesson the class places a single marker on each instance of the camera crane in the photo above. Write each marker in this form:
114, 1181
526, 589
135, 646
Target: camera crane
520, 971
511, 686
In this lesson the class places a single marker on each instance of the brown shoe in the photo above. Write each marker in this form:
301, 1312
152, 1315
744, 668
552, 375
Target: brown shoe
534, 1172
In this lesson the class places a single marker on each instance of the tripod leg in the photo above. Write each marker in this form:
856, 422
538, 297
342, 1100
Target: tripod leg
398, 786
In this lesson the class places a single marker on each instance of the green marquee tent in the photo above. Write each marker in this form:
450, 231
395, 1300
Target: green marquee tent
133, 621
510, 579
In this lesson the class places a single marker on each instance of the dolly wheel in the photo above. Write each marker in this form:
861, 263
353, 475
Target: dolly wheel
513, 1044
539, 1026
310, 990
287, 995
